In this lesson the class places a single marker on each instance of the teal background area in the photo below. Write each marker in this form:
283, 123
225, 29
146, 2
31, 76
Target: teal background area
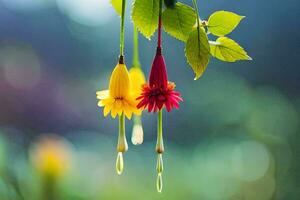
235, 136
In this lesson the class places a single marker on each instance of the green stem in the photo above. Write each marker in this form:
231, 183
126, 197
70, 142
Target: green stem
122, 28
49, 192
159, 24
159, 143
122, 142
198, 23
197, 12
135, 58
137, 120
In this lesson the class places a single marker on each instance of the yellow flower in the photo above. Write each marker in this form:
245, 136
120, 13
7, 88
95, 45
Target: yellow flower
119, 98
137, 78
51, 156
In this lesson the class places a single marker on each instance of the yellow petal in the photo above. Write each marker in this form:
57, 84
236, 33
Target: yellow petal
114, 111
128, 113
101, 103
119, 85
106, 110
137, 78
102, 94
137, 112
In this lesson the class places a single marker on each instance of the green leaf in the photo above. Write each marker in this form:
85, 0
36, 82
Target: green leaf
226, 49
145, 16
179, 21
117, 5
197, 52
222, 23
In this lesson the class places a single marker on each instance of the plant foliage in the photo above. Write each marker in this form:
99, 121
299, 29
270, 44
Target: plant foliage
179, 21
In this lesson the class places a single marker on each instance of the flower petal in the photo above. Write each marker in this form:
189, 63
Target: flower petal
106, 110
114, 111
102, 94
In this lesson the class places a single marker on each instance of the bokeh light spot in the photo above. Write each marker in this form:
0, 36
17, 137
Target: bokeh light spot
215, 178
87, 12
272, 115
250, 160
21, 66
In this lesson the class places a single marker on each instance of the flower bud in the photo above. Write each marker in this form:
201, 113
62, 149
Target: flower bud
119, 85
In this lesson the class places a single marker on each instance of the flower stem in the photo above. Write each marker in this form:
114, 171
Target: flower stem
122, 142
122, 28
197, 12
159, 150
135, 58
198, 23
159, 24
49, 188
160, 142
122, 145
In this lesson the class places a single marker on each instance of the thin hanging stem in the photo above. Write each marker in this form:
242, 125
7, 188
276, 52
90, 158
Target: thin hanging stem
159, 150
160, 142
159, 24
135, 57
196, 12
122, 145
122, 28
122, 125
198, 23
122, 142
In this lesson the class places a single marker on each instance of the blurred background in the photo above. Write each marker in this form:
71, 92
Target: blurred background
235, 137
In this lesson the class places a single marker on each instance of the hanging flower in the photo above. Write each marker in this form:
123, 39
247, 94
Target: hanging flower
159, 92
137, 78
119, 98
156, 95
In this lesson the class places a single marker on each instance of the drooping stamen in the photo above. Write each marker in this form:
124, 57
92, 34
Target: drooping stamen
159, 143
159, 164
159, 149
137, 136
122, 144
120, 163
159, 183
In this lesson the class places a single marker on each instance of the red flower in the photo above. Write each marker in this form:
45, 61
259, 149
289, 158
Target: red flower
159, 92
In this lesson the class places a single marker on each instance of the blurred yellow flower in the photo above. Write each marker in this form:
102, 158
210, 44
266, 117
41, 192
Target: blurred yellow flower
51, 156
137, 78
119, 98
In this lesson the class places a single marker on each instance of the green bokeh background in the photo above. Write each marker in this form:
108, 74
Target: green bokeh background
235, 136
